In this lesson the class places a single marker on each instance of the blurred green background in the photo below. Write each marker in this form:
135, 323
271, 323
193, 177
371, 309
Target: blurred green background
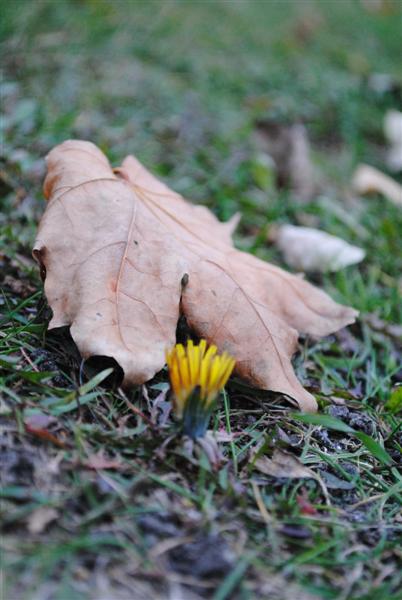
181, 85
126, 73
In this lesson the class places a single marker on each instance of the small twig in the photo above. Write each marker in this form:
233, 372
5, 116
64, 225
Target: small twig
136, 410
29, 361
365, 501
260, 503
166, 545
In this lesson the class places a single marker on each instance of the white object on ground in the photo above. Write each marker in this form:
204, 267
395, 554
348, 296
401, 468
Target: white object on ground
393, 133
307, 249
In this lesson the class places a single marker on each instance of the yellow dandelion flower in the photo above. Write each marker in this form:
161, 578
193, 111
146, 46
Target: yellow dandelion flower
197, 374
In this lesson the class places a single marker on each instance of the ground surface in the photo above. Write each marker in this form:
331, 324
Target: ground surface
99, 499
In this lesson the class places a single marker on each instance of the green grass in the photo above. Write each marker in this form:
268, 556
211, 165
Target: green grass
181, 84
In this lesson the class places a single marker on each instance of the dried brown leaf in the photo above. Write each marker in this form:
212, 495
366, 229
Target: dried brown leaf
368, 180
283, 464
289, 147
123, 256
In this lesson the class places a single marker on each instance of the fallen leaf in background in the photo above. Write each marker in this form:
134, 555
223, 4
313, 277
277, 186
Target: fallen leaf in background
393, 330
289, 148
368, 180
393, 133
123, 257
40, 518
312, 250
283, 464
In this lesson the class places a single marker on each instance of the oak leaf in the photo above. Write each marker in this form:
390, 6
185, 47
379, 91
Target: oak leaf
123, 256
